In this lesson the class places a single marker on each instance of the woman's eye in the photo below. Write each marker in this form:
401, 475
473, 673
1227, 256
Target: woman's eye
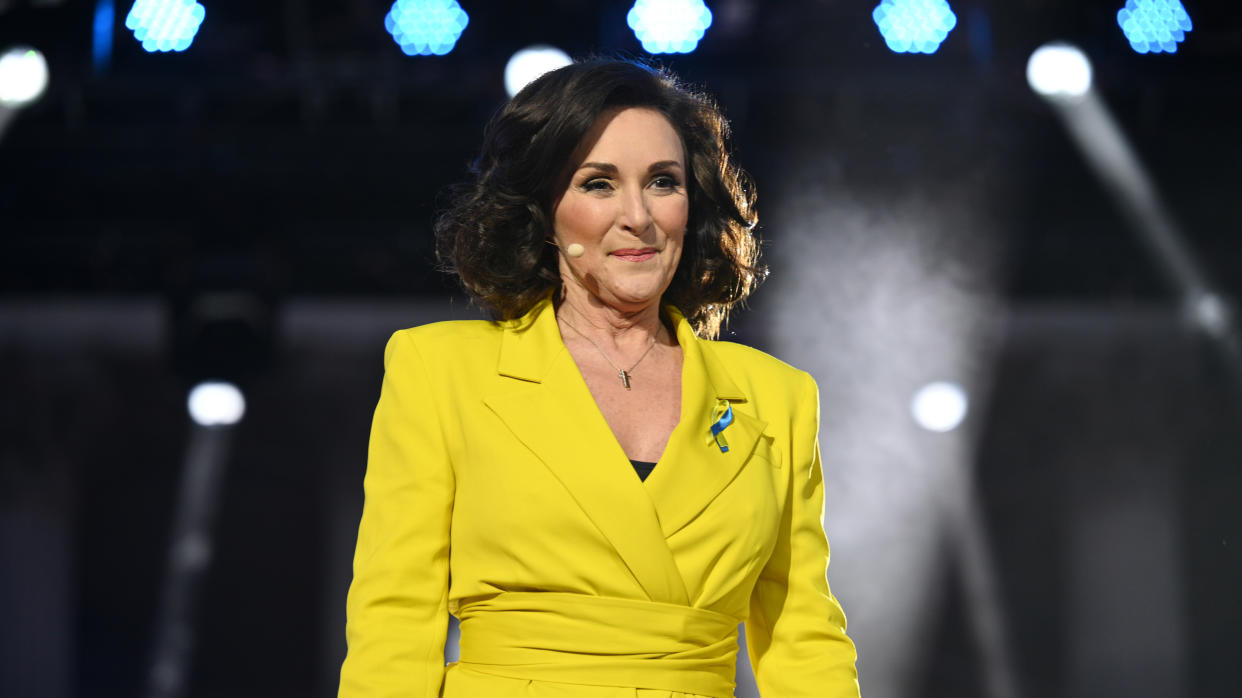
596, 185
665, 182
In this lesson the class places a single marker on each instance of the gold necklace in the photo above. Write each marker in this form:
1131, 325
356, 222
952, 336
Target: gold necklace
622, 373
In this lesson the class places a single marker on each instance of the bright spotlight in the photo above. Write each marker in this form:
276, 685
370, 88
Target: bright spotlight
1210, 313
939, 406
531, 62
1059, 70
426, 27
1154, 26
216, 403
669, 26
914, 26
165, 25
23, 76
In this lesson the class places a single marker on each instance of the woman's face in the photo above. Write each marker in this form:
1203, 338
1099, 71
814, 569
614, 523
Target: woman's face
626, 204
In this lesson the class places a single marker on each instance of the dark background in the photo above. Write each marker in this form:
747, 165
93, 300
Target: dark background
294, 153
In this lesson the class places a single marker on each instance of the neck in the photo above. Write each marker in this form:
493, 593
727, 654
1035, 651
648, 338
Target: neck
609, 326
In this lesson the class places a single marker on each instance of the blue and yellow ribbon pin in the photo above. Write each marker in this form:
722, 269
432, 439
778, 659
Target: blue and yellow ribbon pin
722, 417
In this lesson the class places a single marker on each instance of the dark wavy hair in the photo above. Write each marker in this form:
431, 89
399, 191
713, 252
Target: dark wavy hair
494, 234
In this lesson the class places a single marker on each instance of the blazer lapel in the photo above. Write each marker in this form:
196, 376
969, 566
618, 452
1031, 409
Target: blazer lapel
550, 410
693, 468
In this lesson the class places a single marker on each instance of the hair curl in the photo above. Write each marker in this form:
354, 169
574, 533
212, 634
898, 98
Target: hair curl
494, 234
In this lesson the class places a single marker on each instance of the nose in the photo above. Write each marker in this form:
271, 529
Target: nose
634, 216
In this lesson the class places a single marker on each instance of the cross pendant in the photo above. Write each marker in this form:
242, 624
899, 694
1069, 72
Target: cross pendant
625, 378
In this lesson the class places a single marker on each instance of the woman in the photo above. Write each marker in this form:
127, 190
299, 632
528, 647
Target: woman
599, 493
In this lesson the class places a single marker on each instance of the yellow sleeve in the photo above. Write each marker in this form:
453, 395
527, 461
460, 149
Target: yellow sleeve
796, 631
397, 610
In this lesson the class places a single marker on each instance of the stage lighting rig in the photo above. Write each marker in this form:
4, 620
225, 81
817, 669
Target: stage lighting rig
940, 406
914, 26
165, 25
1062, 75
23, 76
1154, 26
426, 27
23, 79
531, 62
669, 26
1059, 70
212, 403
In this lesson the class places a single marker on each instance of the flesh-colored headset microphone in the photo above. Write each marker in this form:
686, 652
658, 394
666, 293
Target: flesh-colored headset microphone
573, 249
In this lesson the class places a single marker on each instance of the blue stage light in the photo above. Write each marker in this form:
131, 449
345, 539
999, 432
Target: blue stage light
1154, 26
914, 26
669, 26
426, 27
101, 46
165, 25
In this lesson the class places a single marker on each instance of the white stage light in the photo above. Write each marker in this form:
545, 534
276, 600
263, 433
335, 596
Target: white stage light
1059, 70
216, 403
23, 76
1210, 313
939, 406
531, 62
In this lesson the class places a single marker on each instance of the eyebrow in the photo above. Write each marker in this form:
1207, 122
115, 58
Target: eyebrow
612, 169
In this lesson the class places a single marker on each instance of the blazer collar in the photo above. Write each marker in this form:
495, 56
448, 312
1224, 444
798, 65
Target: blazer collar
532, 342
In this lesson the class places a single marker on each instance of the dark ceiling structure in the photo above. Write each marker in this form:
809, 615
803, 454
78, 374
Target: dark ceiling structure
293, 146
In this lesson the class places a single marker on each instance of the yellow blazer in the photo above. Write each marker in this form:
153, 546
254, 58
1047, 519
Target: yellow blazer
496, 491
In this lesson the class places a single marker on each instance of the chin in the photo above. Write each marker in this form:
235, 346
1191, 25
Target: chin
634, 292
632, 298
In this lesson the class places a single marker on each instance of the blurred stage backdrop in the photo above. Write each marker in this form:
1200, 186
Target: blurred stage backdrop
1009, 262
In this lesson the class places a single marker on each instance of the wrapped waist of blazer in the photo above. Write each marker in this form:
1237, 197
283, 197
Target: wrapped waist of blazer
591, 640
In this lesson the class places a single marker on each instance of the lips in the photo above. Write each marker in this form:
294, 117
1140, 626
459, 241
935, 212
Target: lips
635, 255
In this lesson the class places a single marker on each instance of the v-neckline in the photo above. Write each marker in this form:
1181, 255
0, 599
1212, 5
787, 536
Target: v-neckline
599, 412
